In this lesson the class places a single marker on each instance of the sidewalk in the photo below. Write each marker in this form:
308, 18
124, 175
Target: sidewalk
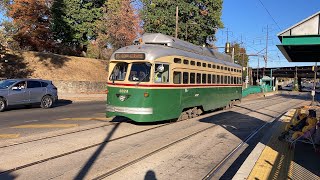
81, 97
276, 160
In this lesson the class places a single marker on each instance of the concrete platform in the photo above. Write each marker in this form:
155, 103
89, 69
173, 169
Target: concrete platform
276, 160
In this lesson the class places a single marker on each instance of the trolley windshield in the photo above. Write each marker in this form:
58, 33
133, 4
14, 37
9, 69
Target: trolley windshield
119, 72
139, 72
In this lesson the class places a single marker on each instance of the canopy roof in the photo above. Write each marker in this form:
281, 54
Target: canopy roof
301, 42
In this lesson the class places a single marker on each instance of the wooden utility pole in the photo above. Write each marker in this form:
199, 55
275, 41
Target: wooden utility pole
177, 19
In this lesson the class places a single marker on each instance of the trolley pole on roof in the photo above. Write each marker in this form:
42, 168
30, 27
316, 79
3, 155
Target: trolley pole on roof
177, 19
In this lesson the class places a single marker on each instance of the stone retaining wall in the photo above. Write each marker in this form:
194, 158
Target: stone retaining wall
80, 86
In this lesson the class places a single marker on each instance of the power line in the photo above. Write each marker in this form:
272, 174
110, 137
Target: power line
270, 15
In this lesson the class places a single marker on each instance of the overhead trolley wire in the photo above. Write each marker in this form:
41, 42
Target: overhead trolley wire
270, 15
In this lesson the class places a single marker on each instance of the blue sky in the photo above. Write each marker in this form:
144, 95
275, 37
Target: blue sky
249, 19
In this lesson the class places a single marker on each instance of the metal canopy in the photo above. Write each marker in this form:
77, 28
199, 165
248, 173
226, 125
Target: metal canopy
301, 42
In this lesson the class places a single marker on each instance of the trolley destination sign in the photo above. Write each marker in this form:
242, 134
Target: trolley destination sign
130, 56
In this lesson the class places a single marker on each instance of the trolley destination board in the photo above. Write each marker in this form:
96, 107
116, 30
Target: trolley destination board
130, 56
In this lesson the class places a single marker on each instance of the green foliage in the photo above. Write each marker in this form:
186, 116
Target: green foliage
74, 21
198, 20
7, 32
120, 25
240, 55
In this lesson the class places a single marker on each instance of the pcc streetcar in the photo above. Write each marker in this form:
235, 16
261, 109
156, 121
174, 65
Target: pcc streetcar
162, 78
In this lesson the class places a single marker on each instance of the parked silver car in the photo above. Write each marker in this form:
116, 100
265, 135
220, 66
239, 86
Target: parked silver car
26, 92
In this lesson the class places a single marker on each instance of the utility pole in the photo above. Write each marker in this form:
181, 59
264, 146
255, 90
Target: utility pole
313, 92
177, 19
266, 59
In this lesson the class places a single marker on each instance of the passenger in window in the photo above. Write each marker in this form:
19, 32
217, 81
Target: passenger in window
142, 75
22, 85
133, 76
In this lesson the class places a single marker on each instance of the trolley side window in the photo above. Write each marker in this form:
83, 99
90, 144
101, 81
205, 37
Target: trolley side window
209, 78
225, 80
177, 77
119, 72
198, 78
229, 80
218, 79
140, 72
214, 81
192, 78
185, 78
204, 78
161, 74
177, 60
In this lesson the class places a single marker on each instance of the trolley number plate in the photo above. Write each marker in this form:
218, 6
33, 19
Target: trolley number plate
123, 91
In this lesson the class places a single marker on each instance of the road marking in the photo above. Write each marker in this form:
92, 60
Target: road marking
46, 126
9, 136
86, 119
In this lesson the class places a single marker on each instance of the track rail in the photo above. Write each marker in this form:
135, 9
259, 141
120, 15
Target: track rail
92, 128
122, 137
216, 168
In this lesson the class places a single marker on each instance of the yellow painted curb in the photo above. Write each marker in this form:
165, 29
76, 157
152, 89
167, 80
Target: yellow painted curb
86, 119
9, 136
46, 126
275, 161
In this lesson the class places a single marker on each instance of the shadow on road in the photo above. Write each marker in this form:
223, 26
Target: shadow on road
86, 168
7, 176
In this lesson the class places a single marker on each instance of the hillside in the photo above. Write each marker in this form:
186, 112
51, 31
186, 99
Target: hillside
52, 67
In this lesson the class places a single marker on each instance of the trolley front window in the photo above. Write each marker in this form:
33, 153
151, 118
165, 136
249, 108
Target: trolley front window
140, 72
119, 72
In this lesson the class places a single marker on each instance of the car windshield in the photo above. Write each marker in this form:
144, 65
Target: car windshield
5, 84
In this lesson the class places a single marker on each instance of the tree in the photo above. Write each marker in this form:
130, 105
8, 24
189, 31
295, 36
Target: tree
75, 21
120, 25
32, 20
240, 54
198, 20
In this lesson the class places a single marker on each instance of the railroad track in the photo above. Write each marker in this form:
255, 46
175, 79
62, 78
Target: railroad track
96, 127
256, 108
212, 172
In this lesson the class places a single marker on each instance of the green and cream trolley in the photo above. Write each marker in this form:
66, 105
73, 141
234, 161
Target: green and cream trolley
162, 78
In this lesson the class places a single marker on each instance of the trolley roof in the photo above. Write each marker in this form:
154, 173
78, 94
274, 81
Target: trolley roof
158, 45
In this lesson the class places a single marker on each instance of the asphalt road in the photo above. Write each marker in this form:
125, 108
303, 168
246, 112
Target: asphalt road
20, 116
183, 150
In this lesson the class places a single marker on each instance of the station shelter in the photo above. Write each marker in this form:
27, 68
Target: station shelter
301, 42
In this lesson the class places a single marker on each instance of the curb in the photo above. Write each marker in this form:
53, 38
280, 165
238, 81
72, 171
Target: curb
250, 163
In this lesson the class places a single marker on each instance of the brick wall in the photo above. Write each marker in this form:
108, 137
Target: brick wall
80, 86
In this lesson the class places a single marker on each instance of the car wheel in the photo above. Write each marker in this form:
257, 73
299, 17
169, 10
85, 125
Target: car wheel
3, 104
46, 102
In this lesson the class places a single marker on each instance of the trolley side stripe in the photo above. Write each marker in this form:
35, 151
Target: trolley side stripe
172, 85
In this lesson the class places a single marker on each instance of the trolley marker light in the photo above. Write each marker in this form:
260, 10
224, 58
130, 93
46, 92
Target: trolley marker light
146, 94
